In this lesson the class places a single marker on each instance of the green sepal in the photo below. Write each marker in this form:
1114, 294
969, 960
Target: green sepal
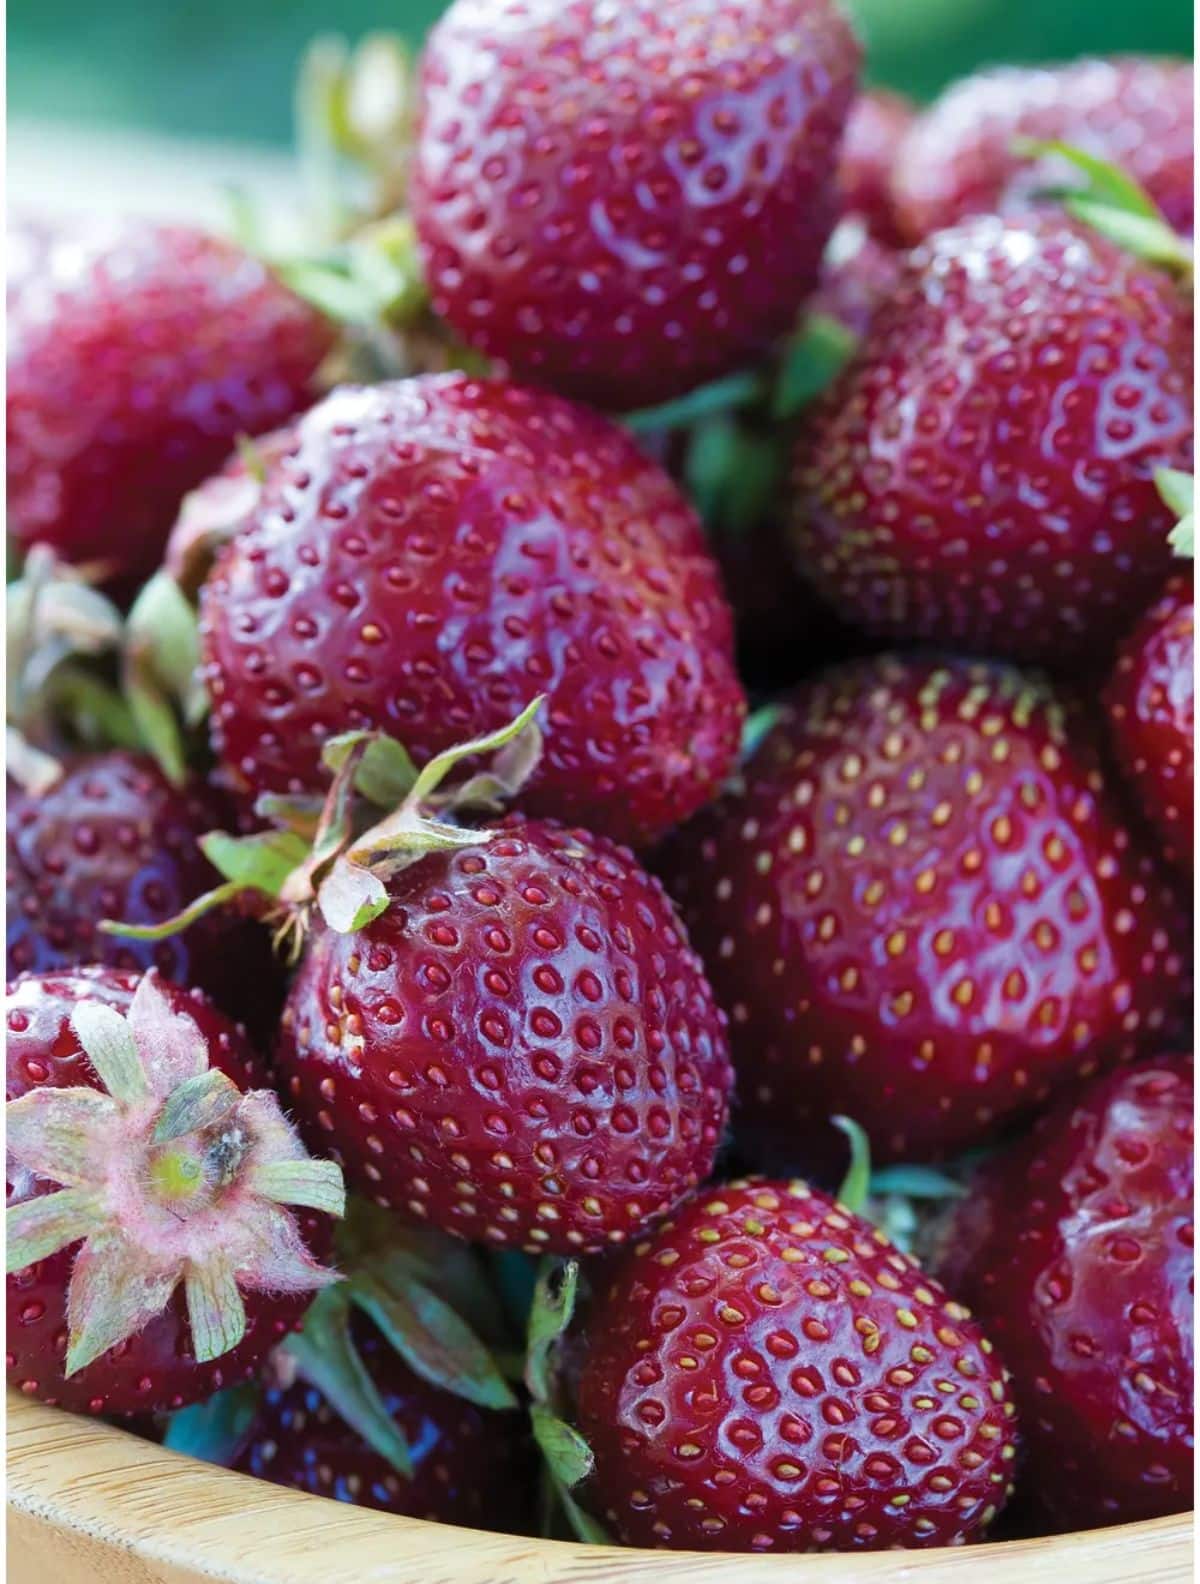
567, 1454
856, 1184
550, 1314
386, 773
757, 726
585, 1527
108, 1041
315, 1184
1111, 202
745, 388
216, 1310
812, 360
214, 1431
161, 672
733, 473
915, 1182
196, 909
198, 1102
1177, 491
431, 1337
261, 862
326, 1356
39, 1227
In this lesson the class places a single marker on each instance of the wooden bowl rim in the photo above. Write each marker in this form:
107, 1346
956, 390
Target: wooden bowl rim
111, 1491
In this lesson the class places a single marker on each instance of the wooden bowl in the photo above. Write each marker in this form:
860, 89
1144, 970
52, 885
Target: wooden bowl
88, 1503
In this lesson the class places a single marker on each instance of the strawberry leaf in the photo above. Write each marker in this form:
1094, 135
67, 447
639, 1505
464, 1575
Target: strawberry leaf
812, 360
431, 1337
326, 1356
549, 1316
743, 389
567, 1454
213, 1431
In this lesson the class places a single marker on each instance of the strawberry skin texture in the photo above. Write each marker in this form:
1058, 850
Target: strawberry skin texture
137, 354
622, 202
155, 1370
960, 159
437, 552
768, 1373
469, 1464
113, 839
522, 1049
875, 131
982, 472
1151, 715
924, 910
1076, 1248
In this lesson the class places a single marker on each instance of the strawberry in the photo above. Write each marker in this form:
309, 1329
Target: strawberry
137, 354
1075, 1246
1150, 706
982, 471
858, 276
468, 1465
924, 909
622, 203
768, 1373
875, 132
963, 156
168, 1263
112, 838
436, 551
521, 1048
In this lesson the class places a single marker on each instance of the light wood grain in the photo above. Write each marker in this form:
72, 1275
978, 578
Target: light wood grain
88, 1503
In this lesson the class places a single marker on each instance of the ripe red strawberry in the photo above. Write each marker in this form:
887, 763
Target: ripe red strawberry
963, 157
1150, 703
875, 131
767, 1373
436, 552
168, 1264
1075, 1246
522, 1049
212, 513
622, 203
469, 1464
114, 839
137, 353
982, 472
924, 910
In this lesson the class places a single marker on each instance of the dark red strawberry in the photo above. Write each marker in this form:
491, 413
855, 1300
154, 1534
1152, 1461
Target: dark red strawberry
168, 1264
924, 910
113, 839
875, 131
521, 1049
436, 552
137, 353
470, 1466
1075, 1247
1150, 703
768, 1373
963, 155
982, 473
622, 203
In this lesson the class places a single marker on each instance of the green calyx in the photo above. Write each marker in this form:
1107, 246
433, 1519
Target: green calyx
1111, 202
334, 855
895, 1198
415, 1289
169, 1176
566, 1457
1177, 492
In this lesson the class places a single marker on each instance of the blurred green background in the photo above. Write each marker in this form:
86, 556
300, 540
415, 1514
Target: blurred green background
223, 68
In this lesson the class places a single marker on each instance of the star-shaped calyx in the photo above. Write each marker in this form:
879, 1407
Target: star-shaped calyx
169, 1174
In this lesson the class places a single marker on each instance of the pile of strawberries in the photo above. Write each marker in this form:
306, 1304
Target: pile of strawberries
465, 1059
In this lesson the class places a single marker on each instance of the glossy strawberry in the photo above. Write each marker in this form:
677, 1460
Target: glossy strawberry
982, 472
767, 1373
168, 1265
469, 1465
1076, 1248
962, 156
437, 552
924, 910
522, 1049
137, 353
622, 203
875, 131
113, 839
1150, 703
